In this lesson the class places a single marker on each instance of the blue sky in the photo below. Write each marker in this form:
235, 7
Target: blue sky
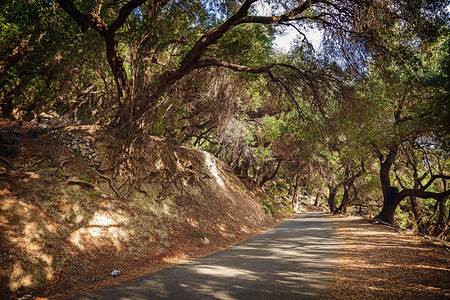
284, 40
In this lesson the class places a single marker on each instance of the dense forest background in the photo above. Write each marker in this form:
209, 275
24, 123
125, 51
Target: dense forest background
361, 122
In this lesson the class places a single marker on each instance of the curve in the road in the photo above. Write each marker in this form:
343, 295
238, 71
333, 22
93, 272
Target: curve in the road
294, 260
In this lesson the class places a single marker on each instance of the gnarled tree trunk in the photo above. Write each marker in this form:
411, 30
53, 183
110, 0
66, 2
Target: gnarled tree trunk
332, 197
389, 199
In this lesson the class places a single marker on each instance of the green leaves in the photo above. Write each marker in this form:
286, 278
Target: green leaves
248, 44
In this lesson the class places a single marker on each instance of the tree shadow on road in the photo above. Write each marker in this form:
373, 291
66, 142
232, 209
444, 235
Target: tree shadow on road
294, 260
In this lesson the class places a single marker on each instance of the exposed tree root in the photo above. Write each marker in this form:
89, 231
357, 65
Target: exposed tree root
12, 175
33, 164
386, 224
437, 241
81, 182
110, 181
61, 164
7, 162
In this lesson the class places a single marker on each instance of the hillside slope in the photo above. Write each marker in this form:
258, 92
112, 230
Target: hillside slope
67, 221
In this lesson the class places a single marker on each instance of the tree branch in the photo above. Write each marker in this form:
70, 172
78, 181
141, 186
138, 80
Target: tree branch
240, 17
421, 194
432, 179
93, 20
125, 12
211, 62
83, 20
292, 15
212, 36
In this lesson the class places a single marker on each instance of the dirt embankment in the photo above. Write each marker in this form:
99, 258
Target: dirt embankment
67, 220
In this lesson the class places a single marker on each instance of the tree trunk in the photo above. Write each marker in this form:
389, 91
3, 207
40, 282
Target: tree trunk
343, 207
442, 218
318, 196
117, 67
389, 193
267, 178
294, 196
417, 215
332, 197
348, 183
390, 204
237, 164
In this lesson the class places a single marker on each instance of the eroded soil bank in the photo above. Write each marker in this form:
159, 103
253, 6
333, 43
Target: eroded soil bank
67, 219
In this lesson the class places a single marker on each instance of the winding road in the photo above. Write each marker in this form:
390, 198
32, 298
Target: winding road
294, 260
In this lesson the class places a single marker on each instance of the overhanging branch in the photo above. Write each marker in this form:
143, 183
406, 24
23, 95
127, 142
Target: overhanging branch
83, 20
422, 194
432, 179
240, 17
211, 62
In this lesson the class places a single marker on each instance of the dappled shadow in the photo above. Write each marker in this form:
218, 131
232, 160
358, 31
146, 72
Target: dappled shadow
38, 243
378, 262
63, 228
291, 261
48, 221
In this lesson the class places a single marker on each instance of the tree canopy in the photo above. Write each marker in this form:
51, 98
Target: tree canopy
364, 116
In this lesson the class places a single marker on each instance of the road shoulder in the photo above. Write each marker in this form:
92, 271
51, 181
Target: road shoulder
377, 262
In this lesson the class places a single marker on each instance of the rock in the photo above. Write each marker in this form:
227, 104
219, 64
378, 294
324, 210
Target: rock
204, 240
45, 115
54, 114
115, 273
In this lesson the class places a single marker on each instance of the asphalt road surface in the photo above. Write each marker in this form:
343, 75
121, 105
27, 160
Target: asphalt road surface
294, 260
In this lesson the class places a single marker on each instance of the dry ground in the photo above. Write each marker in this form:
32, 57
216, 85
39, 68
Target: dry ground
377, 262
185, 251
64, 228
36, 228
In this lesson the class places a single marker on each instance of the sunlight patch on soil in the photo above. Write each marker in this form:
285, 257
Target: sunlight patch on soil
62, 229
104, 228
103, 218
192, 222
377, 262
179, 259
19, 277
25, 226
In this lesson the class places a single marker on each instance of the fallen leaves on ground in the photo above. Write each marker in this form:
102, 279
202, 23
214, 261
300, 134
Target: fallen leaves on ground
378, 262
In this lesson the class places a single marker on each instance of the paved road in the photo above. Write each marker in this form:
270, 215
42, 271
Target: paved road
294, 260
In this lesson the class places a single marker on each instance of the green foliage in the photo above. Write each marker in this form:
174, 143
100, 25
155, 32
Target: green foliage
250, 44
268, 207
94, 195
198, 234
49, 61
321, 118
